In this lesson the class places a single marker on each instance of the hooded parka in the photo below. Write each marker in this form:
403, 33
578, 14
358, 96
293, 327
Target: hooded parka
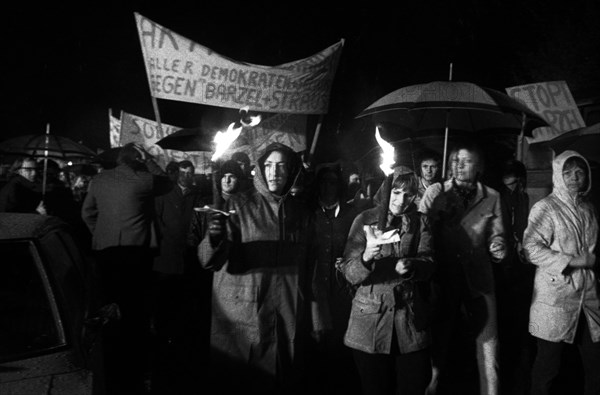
561, 227
260, 277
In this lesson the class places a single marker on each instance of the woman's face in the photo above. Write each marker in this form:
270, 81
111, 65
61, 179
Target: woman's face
400, 198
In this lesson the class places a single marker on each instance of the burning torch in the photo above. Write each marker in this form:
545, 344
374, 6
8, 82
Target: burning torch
387, 166
223, 141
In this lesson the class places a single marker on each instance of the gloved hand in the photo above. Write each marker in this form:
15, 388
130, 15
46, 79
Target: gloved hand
216, 228
405, 267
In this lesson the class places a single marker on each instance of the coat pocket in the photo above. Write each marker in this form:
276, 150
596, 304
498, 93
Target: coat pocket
362, 326
235, 310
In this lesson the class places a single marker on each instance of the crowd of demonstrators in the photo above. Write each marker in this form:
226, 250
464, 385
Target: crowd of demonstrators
325, 280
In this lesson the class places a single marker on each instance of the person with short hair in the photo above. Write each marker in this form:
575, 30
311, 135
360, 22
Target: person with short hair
118, 210
466, 218
560, 240
429, 172
22, 193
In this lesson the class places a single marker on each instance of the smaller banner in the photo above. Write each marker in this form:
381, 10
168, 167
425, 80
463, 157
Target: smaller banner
554, 102
135, 129
115, 130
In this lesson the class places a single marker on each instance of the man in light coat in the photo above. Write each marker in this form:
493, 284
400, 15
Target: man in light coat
560, 240
468, 231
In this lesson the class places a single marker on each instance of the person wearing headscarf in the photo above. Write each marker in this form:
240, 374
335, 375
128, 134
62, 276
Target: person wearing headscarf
389, 258
560, 240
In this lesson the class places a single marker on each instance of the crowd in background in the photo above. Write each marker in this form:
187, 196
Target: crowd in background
276, 277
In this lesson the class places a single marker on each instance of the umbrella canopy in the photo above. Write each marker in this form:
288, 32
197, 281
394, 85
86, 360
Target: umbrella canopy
462, 106
435, 108
584, 140
189, 139
46, 145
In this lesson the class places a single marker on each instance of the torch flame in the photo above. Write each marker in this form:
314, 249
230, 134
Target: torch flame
225, 139
387, 154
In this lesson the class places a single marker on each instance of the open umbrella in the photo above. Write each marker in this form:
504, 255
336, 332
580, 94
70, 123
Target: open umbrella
188, 139
46, 145
434, 108
585, 141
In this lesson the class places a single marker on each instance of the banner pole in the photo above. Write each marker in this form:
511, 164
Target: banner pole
313, 145
46, 142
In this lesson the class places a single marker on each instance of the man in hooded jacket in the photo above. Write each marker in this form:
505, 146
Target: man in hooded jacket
560, 240
260, 281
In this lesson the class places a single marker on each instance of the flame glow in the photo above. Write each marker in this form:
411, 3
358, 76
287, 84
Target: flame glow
387, 154
224, 139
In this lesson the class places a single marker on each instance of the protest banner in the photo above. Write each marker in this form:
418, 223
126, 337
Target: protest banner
554, 102
135, 129
182, 70
114, 130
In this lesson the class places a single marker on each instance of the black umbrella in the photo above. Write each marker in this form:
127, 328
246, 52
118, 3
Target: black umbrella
189, 139
432, 109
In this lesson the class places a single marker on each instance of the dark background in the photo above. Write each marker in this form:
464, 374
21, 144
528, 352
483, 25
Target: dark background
68, 65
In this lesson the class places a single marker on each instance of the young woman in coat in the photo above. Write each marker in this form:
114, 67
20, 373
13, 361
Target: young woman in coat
388, 257
560, 240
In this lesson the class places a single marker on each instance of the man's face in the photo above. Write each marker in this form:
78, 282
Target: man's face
510, 181
185, 177
276, 172
466, 166
400, 198
328, 187
429, 170
28, 170
575, 179
229, 183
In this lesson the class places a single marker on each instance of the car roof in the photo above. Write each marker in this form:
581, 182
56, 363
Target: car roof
23, 225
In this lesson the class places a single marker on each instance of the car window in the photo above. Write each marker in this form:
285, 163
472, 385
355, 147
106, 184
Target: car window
29, 320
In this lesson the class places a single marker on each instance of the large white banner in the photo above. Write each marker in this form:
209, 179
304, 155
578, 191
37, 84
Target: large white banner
554, 102
146, 132
182, 70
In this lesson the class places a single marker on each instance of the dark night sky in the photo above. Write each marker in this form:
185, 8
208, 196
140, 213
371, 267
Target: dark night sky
68, 66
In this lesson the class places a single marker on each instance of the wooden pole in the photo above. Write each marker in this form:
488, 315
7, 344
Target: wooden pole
46, 142
446, 133
520, 148
313, 145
